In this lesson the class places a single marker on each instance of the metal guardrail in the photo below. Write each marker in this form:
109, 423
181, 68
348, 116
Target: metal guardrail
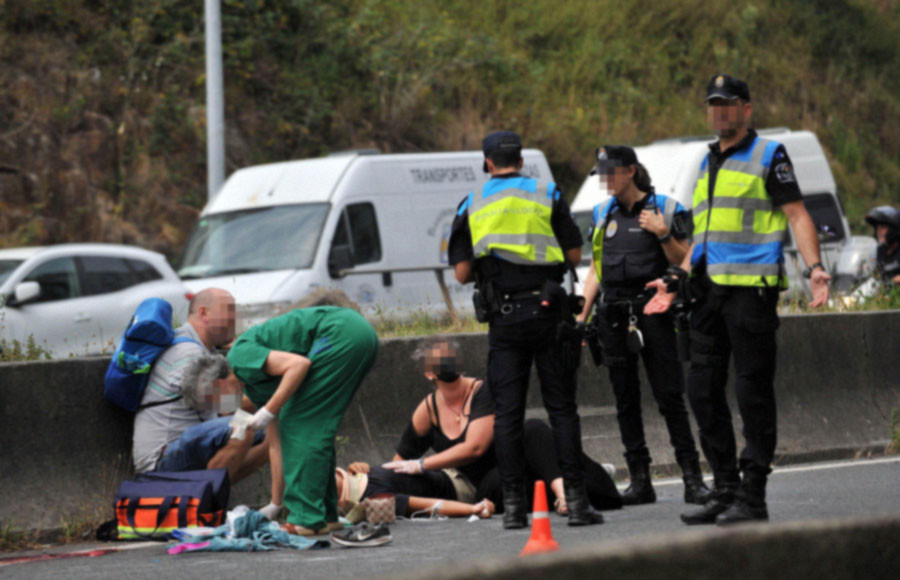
438, 273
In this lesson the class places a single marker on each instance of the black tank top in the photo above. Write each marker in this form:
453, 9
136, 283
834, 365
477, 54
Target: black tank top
482, 405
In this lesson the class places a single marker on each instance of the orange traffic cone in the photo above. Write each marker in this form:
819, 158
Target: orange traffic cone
541, 539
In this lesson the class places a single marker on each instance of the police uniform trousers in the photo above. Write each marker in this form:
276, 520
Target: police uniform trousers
737, 321
516, 340
664, 373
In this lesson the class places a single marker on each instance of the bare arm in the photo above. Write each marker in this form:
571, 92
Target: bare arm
275, 463
573, 256
662, 300
479, 437
655, 223
675, 250
463, 272
247, 404
591, 288
292, 369
804, 231
454, 509
421, 422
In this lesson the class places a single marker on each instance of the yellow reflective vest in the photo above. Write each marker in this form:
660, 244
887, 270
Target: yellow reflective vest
510, 219
741, 232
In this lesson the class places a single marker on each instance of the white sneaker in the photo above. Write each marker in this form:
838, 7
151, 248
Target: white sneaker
610, 469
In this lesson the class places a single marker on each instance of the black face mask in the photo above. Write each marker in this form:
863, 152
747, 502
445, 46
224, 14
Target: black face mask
446, 370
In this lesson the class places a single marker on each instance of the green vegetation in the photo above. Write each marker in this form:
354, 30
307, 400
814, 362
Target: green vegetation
13, 538
17, 351
102, 103
884, 299
422, 323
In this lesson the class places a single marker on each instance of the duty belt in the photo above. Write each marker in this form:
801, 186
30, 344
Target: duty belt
508, 299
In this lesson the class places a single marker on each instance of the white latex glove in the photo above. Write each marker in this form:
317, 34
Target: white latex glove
271, 511
410, 466
239, 423
261, 419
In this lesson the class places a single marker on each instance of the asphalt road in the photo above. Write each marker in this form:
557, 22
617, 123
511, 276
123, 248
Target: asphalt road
818, 491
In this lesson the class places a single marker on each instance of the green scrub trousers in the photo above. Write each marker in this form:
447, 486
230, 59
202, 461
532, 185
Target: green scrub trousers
342, 346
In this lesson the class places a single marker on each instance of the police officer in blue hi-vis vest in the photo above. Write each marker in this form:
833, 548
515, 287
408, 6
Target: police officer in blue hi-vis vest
514, 238
636, 235
746, 196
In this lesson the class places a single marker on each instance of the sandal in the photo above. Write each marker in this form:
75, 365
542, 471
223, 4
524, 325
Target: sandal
559, 504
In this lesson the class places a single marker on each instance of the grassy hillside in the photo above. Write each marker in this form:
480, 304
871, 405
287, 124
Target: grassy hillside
102, 121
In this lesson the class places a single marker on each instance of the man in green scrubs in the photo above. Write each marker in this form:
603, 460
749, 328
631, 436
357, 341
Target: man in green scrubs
301, 370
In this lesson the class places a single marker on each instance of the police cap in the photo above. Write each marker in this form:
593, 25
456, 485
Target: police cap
500, 141
612, 156
727, 87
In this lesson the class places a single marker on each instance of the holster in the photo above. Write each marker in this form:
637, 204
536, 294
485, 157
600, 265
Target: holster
485, 300
569, 336
683, 332
592, 337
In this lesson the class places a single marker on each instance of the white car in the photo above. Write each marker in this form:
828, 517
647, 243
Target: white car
77, 299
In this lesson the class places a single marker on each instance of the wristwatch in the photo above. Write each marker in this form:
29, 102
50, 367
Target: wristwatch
808, 272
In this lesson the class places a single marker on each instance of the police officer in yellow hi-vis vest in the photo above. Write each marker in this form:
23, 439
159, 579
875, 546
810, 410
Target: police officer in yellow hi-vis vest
636, 234
746, 196
514, 237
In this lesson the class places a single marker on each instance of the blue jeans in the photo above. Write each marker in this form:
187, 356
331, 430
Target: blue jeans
198, 444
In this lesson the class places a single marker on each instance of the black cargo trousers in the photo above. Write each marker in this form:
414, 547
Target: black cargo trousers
739, 322
516, 340
664, 373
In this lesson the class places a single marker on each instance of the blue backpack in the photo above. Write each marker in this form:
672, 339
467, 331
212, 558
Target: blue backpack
148, 334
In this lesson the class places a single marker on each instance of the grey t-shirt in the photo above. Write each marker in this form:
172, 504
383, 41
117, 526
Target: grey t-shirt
157, 426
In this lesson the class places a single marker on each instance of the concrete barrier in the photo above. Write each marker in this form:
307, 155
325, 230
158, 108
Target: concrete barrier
837, 550
63, 448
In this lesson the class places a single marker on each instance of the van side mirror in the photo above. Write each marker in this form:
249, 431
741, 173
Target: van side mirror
24, 292
339, 258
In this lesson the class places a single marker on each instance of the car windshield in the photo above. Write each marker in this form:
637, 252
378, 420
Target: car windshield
254, 240
584, 220
7, 267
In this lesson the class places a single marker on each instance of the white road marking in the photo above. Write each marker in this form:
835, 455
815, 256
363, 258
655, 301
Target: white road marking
800, 468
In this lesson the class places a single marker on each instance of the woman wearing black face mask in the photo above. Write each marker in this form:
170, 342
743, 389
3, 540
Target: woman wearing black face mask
457, 422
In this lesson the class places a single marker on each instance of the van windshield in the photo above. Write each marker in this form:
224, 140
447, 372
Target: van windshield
584, 220
284, 237
7, 267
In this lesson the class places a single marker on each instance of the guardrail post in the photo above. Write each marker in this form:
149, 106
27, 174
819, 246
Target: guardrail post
439, 274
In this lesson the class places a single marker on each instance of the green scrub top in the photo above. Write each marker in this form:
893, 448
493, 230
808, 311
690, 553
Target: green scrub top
296, 331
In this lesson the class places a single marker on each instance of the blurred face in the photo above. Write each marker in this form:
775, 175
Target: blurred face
881, 232
219, 319
615, 179
726, 117
225, 396
440, 359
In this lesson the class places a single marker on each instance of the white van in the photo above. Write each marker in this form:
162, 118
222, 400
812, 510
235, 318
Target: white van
375, 226
674, 164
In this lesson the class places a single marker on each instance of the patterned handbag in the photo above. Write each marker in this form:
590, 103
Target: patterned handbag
380, 508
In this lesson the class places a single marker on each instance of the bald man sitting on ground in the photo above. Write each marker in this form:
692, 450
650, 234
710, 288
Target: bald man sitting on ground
180, 429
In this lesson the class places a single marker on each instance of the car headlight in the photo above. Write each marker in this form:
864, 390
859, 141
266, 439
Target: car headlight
252, 314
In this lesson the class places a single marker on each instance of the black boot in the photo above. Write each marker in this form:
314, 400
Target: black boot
515, 509
723, 497
749, 504
695, 491
580, 511
641, 488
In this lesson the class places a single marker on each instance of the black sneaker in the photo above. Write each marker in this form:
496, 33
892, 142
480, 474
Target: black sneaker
363, 535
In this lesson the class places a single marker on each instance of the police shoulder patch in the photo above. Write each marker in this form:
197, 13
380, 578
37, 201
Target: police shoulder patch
785, 172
